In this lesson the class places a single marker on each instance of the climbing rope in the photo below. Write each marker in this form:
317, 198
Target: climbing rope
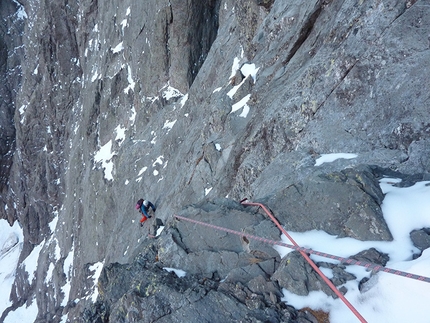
308, 259
348, 261
304, 252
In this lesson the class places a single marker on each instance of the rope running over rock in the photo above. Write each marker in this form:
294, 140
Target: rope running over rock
349, 261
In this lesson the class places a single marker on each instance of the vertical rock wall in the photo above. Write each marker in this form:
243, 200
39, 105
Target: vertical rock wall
105, 102
11, 30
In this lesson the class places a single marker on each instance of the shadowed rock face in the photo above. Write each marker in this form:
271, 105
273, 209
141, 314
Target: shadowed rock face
11, 56
104, 103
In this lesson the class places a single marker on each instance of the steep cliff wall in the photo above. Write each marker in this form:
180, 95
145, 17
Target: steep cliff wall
181, 102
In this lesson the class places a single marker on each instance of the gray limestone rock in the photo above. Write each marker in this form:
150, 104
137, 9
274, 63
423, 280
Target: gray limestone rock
106, 102
297, 276
421, 238
344, 203
11, 53
142, 291
373, 256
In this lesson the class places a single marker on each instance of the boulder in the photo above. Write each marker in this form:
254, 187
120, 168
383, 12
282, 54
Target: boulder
297, 276
421, 238
344, 203
373, 256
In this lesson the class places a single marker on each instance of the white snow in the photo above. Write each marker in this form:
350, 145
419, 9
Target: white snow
22, 109
159, 160
11, 240
328, 158
97, 268
406, 209
183, 100
23, 314
142, 171
57, 252
207, 190
53, 223
104, 155
133, 115
21, 113
169, 124
153, 141
20, 13
218, 147
233, 91
30, 263
120, 134
241, 104
388, 297
68, 271
159, 230
235, 66
246, 70
245, 111
95, 76
123, 24
179, 272
131, 82
7, 242
118, 48
169, 92
249, 70
49, 273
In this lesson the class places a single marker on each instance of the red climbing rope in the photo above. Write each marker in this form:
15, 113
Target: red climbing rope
309, 260
349, 261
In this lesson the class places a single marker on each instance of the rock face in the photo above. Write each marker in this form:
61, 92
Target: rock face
12, 54
107, 102
144, 292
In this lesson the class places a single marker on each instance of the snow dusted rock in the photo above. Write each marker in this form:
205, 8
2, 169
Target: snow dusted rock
421, 238
296, 275
143, 291
107, 102
344, 203
202, 250
11, 74
8, 244
373, 256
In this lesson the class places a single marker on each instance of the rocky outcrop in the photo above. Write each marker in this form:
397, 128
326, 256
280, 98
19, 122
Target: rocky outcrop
107, 102
245, 275
142, 291
421, 238
344, 203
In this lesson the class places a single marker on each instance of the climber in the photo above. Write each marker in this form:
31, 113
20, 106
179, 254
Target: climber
143, 207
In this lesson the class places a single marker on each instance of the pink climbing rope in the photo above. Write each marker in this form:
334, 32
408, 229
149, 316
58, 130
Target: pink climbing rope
309, 260
349, 261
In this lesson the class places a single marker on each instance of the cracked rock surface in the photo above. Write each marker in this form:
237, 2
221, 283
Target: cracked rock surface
104, 103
